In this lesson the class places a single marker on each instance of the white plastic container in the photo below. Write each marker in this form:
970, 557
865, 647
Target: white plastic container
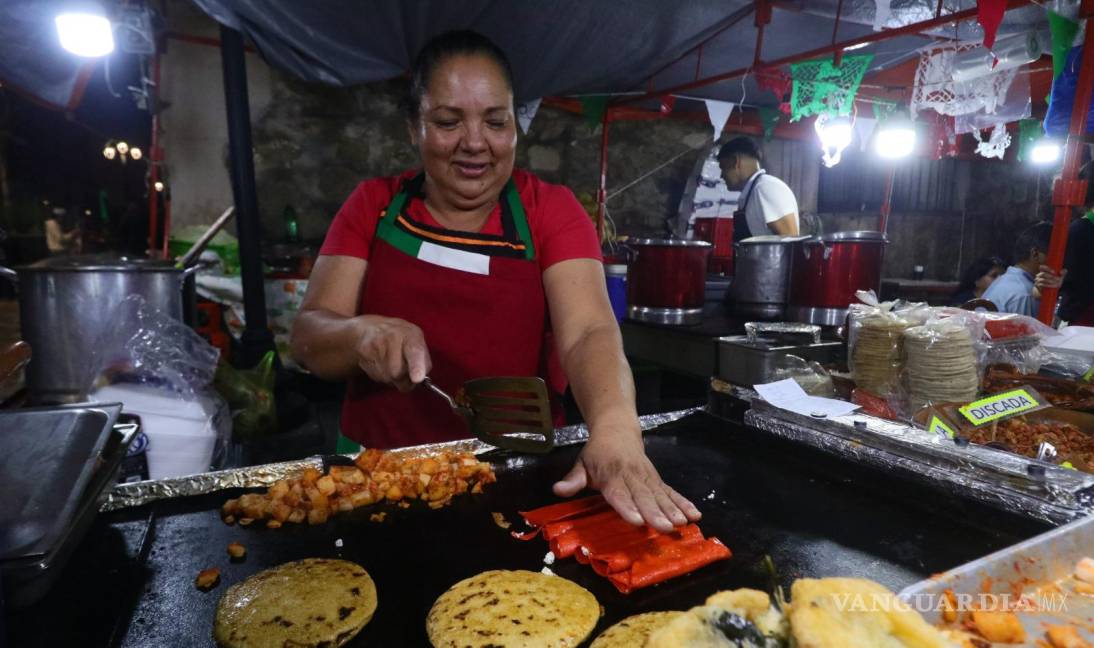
182, 434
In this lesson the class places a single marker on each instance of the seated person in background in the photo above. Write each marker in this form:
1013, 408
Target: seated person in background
976, 279
1014, 291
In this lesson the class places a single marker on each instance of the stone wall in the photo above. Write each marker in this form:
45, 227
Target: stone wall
314, 144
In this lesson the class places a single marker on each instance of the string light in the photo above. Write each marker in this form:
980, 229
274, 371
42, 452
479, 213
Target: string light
835, 134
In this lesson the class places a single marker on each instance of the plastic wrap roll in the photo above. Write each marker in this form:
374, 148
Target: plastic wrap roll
1011, 52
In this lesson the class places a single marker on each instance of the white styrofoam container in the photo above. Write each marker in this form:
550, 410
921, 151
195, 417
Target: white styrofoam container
182, 434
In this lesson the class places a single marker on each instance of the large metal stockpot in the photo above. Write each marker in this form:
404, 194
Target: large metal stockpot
67, 303
828, 270
761, 276
666, 280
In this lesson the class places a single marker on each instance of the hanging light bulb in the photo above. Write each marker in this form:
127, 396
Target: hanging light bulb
835, 134
122, 147
85, 30
110, 152
158, 186
895, 137
1045, 151
135, 153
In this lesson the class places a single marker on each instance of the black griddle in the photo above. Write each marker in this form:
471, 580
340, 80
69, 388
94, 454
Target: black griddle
131, 583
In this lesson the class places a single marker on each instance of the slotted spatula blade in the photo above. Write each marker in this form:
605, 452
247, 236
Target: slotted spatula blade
510, 413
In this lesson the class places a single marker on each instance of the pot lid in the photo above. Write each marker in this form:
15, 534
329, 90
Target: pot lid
866, 236
771, 239
94, 263
669, 242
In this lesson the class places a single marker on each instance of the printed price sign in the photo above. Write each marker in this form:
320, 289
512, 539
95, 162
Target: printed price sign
938, 426
1002, 406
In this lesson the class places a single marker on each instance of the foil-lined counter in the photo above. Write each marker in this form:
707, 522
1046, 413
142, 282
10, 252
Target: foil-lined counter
1002, 479
143, 492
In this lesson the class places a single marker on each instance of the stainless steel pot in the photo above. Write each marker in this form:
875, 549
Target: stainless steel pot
67, 303
761, 276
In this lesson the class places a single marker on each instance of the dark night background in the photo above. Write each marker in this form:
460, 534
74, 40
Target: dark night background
55, 155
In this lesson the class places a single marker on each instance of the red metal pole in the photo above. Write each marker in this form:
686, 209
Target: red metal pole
887, 203
1069, 190
602, 192
154, 157
763, 18
874, 37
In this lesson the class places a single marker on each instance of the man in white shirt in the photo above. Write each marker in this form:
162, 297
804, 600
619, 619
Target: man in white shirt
766, 205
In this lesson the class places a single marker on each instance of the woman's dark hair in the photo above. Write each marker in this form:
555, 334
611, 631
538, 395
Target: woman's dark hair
979, 268
739, 146
442, 47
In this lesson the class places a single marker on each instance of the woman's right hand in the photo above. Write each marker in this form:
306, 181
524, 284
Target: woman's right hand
392, 351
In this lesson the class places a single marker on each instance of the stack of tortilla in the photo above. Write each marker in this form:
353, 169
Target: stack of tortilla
940, 364
877, 354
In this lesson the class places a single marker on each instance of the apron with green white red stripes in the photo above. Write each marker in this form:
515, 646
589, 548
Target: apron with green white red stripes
479, 301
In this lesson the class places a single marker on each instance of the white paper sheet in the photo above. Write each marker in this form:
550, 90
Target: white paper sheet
788, 395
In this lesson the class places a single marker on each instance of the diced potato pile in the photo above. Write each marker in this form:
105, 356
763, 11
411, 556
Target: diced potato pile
376, 476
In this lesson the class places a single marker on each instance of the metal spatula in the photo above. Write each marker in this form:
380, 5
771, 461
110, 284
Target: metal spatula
510, 413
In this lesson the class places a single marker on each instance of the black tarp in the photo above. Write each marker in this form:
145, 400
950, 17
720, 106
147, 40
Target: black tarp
557, 47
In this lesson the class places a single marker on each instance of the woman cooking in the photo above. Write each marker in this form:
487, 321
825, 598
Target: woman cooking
468, 268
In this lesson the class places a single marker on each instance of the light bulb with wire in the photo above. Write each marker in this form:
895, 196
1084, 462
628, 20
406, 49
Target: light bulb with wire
122, 147
135, 153
896, 137
835, 134
110, 152
85, 30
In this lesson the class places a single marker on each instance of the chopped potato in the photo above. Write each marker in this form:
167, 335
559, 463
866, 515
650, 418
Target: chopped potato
376, 476
999, 626
949, 606
237, 551
207, 579
1060, 636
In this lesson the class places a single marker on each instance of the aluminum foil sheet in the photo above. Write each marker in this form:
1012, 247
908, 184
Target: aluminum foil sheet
1001, 479
139, 493
755, 329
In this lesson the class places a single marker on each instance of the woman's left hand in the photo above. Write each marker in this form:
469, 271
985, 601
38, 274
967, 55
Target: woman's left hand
617, 466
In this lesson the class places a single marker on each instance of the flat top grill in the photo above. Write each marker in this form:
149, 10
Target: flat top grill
131, 583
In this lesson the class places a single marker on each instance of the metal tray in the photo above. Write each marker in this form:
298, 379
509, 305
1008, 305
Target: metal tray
1003, 479
1029, 567
47, 458
814, 515
26, 580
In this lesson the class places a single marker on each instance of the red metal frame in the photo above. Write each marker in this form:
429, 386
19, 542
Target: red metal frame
887, 34
1069, 190
887, 203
